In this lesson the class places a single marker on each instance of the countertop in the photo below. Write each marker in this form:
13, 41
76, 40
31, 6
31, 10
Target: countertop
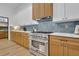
57, 34
21, 31
3, 31
66, 35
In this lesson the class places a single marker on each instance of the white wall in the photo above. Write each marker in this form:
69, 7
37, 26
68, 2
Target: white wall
7, 10
23, 15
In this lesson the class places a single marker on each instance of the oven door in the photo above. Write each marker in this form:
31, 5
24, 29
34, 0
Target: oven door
40, 47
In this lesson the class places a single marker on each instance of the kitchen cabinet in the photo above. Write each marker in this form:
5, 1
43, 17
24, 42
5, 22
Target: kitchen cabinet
26, 40
13, 36
72, 10
63, 46
6, 34
65, 11
35, 11
73, 48
58, 11
3, 34
48, 9
20, 38
56, 47
41, 10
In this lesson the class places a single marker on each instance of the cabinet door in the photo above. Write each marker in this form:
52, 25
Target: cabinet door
2, 35
26, 43
35, 11
26, 40
56, 47
65, 48
41, 10
58, 11
18, 37
22, 39
6, 34
13, 36
73, 48
48, 9
72, 10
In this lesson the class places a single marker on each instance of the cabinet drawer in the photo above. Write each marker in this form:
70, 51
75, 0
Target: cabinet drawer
58, 38
26, 43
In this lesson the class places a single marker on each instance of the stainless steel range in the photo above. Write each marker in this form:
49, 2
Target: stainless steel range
39, 43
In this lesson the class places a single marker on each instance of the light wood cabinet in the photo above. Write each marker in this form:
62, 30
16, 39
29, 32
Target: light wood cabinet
56, 47
20, 38
48, 9
73, 48
3, 35
35, 11
41, 10
6, 34
63, 46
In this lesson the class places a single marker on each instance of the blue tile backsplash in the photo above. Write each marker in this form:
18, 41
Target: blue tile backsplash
45, 26
66, 27
30, 27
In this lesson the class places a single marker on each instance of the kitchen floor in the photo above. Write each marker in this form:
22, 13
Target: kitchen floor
9, 48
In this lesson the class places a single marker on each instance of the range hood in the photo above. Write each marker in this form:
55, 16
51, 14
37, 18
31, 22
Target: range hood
49, 18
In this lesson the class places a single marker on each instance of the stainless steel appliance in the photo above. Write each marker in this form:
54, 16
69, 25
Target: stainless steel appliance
39, 43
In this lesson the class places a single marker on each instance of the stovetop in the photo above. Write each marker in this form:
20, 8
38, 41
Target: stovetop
42, 32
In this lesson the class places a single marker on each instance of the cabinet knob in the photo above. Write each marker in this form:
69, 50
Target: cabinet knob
65, 46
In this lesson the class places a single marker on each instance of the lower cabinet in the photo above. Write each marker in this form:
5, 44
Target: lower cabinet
63, 46
56, 48
73, 48
3, 34
20, 38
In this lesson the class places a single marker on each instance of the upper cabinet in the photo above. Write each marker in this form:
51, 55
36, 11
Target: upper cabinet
58, 11
48, 9
72, 10
35, 10
41, 10
65, 11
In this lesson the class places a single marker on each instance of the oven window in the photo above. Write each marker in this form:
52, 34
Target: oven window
37, 43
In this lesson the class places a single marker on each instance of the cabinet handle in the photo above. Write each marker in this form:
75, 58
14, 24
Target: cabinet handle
64, 46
